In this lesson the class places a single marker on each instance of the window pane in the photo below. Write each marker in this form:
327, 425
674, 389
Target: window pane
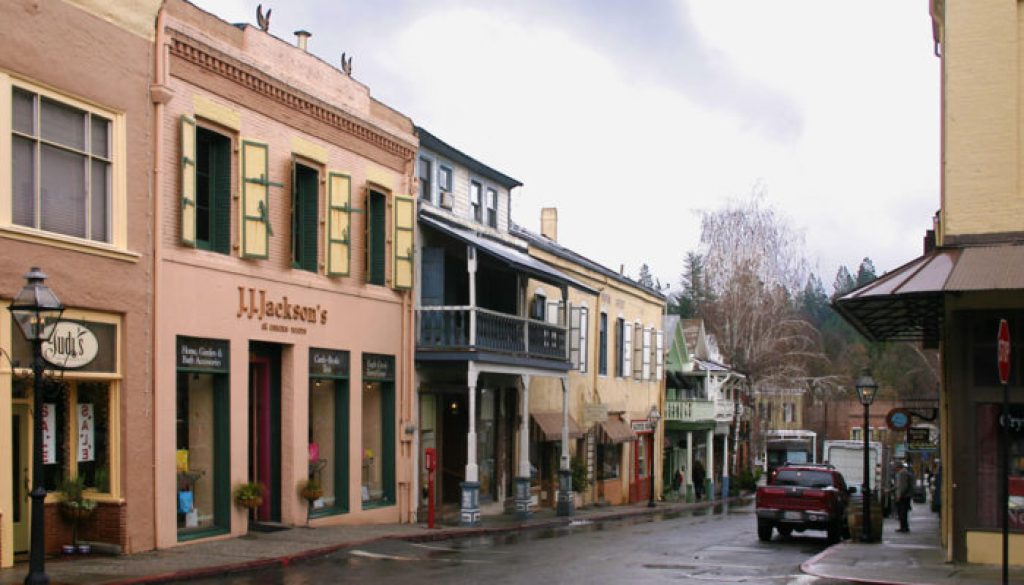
23, 183
92, 424
63, 124
195, 455
373, 480
445, 178
55, 439
99, 200
63, 191
23, 114
100, 136
323, 460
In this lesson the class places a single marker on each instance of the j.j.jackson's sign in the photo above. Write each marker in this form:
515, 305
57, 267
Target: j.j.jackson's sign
72, 345
254, 304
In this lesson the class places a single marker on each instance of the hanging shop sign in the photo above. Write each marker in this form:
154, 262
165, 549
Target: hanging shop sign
594, 413
209, 355
49, 433
378, 367
642, 426
328, 363
898, 419
72, 345
919, 439
278, 313
86, 432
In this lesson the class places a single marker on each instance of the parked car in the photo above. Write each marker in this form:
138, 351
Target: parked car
802, 497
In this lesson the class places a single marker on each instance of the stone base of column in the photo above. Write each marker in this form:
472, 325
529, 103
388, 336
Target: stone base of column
709, 490
691, 497
565, 506
470, 513
725, 487
522, 498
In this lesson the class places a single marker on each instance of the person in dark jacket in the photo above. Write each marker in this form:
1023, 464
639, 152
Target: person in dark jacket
904, 492
698, 479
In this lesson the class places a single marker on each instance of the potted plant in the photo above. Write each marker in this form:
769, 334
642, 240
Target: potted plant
249, 495
579, 480
75, 507
311, 490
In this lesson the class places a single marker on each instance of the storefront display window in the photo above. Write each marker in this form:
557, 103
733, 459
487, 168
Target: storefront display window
486, 437
608, 458
378, 441
990, 471
328, 430
76, 433
202, 427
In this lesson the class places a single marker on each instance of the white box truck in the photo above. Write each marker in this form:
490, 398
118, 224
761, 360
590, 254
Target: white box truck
848, 458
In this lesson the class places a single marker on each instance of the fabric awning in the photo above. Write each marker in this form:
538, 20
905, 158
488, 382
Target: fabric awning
909, 302
614, 430
550, 426
507, 254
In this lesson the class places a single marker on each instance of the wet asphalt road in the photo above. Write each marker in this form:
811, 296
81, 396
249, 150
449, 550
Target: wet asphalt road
703, 547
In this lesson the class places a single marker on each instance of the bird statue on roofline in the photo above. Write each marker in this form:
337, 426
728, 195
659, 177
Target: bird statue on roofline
346, 65
261, 19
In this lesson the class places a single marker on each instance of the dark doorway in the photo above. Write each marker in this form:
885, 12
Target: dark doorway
454, 430
265, 426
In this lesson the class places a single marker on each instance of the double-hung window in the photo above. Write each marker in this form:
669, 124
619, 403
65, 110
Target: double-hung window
305, 216
376, 236
213, 191
444, 186
602, 345
620, 340
475, 200
62, 165
425, 173
492, 207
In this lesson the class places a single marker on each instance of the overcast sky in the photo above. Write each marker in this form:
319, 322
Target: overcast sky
631, 116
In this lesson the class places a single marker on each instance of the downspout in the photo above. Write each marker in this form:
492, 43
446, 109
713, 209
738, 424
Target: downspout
160, 94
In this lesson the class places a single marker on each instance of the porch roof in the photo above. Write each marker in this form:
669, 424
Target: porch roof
550, 426
514, 258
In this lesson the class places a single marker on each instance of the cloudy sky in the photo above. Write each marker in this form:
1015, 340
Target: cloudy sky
630, 117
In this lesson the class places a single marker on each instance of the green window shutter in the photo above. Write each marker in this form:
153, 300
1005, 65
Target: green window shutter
188, 181
220, 203
310, 214
403, 242
376, 224
256, 230
339, 223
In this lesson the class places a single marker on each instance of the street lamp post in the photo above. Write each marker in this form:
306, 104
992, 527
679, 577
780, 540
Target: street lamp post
866, 390
654, 416
37, 310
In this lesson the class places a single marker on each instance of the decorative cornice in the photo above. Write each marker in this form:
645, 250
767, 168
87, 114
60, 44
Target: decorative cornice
216, 62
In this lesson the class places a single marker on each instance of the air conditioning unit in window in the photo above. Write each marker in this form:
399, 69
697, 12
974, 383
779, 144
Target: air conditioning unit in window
447, 200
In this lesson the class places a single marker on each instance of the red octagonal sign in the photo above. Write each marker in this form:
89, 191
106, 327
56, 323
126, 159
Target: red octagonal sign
1003, 351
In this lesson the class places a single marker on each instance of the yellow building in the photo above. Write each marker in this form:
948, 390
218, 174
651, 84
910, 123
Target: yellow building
617, 353
970, 277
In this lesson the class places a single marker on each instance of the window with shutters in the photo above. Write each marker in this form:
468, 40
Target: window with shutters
339, 223
475, 200
647, 354
659, 355
602, 346
492, 207
64, 165
305, 216
376, 236
213, 191
638, 351
627, 350
584, 337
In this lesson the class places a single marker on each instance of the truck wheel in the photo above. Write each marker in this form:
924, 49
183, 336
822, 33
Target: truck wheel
835, 532
764, 530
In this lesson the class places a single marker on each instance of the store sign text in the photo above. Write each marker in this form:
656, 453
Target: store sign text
253, 303
72, 345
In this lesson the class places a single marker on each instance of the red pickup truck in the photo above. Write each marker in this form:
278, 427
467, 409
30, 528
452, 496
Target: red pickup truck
801, 497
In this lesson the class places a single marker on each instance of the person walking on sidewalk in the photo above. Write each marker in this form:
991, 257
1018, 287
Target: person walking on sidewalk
698, 479
904, 491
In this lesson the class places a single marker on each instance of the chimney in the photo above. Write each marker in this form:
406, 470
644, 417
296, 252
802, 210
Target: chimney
301, 38
549, 223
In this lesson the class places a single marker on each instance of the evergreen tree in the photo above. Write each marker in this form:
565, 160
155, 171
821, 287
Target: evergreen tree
843, 283
645, 279
866, 272
687, 303
813, 302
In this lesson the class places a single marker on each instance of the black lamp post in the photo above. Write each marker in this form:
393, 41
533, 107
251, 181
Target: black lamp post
866, 390
37, 310
654, 416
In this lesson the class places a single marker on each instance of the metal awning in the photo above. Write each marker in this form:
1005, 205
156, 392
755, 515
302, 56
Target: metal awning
908, 303
614, 430
550, 426
506, 254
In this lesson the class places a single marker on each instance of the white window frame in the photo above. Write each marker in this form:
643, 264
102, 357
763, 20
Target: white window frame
478, 204
647, 354
659, 355
584, 337
490, 205
432, 196
117, 227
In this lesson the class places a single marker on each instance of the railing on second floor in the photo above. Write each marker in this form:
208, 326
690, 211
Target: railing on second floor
689, 410
466, 328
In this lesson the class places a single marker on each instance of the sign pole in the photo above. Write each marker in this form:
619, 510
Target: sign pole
1003, 355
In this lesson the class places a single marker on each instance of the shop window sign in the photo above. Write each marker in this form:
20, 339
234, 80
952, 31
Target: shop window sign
209, 355
328, 363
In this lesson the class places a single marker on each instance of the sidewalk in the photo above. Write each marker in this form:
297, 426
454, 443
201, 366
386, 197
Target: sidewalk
913, 558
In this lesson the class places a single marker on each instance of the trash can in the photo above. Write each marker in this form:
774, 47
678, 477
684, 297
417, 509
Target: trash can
855, 518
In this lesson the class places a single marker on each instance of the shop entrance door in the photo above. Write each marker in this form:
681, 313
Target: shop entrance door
454, 430
265, 428
21, 427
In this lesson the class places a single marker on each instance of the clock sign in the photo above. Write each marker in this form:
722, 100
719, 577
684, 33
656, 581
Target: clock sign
898, 419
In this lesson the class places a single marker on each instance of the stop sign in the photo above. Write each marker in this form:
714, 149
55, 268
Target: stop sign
1003, 351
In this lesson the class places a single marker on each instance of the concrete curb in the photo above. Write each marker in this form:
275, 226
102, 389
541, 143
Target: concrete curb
443, 534
807, 567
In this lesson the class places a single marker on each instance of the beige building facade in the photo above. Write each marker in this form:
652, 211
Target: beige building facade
283, 278
617, 350
75, 156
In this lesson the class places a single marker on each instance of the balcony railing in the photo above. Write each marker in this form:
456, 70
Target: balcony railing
689, 410
469, 328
